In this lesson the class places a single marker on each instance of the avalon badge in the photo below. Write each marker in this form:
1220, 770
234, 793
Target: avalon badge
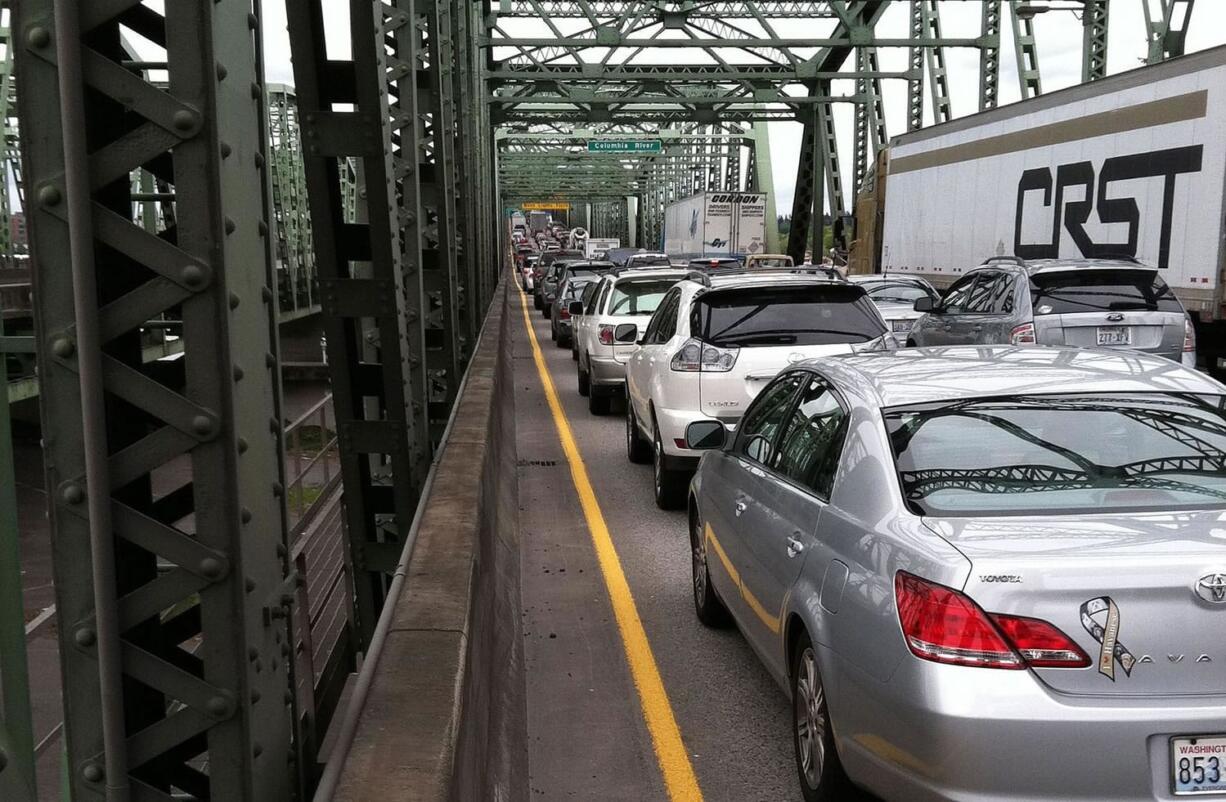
1212, 588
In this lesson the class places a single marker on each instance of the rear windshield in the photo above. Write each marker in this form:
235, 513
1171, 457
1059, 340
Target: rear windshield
813, 315
897, 292
638, 297
1101, 290
1048, 454
648, 261
574, 287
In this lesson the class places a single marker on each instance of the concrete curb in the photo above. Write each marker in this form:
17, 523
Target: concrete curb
446, 719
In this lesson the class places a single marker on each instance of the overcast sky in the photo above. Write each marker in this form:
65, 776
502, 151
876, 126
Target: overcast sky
1058, 34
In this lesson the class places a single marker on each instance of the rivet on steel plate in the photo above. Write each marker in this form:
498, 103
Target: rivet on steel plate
93, 773
202, 425
85, 637
244, 515
38, 37
211, 568
50, 196
63, 347
72, 494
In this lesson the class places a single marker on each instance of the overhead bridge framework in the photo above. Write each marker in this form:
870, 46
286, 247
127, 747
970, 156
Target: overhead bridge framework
164, 181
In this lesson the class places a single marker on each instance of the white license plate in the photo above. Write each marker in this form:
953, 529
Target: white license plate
1198, 765
1114, 335
898, 326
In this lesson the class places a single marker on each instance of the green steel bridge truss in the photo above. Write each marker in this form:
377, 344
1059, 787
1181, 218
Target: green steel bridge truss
178, 186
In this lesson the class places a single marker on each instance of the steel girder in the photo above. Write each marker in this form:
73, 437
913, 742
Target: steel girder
10, 148
1166, 34
371, 328
166, 509
295, 247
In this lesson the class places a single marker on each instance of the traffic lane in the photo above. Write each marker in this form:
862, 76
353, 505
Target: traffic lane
587, 739
734, 719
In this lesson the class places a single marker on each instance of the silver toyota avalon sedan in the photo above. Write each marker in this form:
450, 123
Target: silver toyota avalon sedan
981, 573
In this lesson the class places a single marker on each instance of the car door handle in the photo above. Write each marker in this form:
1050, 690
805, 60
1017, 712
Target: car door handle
795, 547
740, 508
976, 328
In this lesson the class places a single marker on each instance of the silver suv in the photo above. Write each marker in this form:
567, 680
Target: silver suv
1112, 303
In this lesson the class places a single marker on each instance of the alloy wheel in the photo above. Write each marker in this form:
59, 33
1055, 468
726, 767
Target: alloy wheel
809, 700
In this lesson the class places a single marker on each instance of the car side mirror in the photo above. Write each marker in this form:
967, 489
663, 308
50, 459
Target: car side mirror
626, 333
575, 308
924, 305
705, 435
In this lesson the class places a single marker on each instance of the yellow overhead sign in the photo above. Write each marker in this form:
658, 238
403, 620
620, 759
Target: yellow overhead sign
545, 206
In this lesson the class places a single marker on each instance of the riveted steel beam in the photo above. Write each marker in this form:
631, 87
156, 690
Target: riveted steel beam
381, 414
166, 509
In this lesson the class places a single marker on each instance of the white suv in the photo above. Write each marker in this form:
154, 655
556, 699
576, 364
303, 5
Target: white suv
715, 341
625, 298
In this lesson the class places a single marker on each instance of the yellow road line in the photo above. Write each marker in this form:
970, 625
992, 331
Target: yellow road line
771, 622
674, 761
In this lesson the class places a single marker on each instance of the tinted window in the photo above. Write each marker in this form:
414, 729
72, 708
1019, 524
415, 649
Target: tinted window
1101, 290
1046, 454
605, 287
668, 320
796, 315
767, 414
979, 299
810, 448
589, 297
638, 297
955, 299
648, 261
900, 292
575, 288
658, 318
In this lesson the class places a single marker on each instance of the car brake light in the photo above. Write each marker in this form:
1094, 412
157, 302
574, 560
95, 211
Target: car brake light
1189, 336
564, 314
944, 626
606, 335
695, 356
1022, 335
1040, 644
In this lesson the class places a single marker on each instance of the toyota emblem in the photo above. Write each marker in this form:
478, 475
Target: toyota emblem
1212, 588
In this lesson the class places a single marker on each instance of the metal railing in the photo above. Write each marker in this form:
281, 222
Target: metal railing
312, 462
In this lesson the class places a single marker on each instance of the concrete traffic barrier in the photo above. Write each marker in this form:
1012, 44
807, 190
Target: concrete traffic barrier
445, 717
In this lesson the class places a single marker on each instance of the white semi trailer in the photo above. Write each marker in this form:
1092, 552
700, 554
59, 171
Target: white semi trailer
1133, 165
715, 223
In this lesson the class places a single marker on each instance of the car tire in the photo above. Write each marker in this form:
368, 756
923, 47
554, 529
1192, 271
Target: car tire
598, 403
670, 485
574, 350
818, 767
707, 603
638, 450
563, 341
536, 301
585, 381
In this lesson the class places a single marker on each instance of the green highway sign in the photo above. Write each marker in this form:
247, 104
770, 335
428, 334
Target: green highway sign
625, 146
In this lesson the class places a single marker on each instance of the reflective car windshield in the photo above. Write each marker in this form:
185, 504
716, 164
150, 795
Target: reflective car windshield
795, 315
638, 297
1046, 454
903, 292
1101, 290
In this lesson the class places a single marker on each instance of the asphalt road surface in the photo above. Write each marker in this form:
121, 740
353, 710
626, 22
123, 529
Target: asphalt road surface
588, 739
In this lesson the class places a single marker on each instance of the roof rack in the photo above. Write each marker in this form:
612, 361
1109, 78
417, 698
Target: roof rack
1013, 260
704, 278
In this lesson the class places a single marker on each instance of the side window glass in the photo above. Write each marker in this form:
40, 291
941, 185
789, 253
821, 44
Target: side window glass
979, 299
811, 445
955, 299
604, 293
761, 424
1002, 299
657, 320
667, 319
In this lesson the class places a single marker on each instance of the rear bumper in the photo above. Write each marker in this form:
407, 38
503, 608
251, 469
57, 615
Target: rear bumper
937, 732
673, 423
606, 372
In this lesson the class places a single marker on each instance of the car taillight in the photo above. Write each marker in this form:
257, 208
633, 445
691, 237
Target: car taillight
945, 626
606, 335
1039, 643
1022, 335
695, 355
563, 314
1189, 336
942, 625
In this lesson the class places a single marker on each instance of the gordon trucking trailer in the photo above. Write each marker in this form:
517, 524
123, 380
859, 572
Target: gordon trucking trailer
1133, 165
711, 223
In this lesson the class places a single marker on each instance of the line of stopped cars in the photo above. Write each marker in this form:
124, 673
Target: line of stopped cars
979, 538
